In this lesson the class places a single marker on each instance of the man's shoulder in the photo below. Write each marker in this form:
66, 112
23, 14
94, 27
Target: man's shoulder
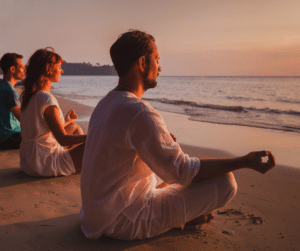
8, 90
121, 103
139, 105
5, 85
125, 99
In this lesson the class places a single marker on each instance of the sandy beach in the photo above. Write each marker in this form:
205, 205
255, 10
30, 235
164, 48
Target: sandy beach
42, 213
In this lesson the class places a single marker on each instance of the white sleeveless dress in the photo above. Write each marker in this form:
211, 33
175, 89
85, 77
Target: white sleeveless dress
40, 153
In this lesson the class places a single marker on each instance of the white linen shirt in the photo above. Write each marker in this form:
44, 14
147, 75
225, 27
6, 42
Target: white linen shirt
127, 145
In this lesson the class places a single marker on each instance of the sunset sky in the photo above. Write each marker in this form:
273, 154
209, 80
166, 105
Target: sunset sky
194, 37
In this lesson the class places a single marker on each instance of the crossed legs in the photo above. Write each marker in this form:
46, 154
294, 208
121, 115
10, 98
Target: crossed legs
173, 206
76, 151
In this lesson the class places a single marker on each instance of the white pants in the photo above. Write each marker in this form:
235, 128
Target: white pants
173, 206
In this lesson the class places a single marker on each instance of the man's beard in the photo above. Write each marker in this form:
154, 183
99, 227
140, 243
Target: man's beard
148, 83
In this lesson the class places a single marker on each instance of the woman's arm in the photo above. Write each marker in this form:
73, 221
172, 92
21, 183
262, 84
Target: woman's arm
56, 126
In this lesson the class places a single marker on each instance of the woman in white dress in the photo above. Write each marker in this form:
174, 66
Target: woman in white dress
51, 144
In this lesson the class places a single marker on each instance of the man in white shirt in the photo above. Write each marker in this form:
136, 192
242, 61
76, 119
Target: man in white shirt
136, 182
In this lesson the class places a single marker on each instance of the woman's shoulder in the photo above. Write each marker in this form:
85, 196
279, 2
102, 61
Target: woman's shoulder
46, 97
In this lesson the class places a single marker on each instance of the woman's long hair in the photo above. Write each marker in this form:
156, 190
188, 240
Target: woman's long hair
38, 66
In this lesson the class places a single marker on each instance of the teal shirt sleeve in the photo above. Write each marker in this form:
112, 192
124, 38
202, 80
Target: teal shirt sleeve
9, 98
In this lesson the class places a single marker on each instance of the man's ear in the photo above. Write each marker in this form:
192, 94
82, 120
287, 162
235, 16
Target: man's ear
12, 69
142, 63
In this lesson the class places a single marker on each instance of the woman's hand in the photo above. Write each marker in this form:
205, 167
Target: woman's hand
56, 126
71, 116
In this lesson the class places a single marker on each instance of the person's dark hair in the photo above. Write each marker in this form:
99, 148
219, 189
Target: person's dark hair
129, 47
38, 66
8, 60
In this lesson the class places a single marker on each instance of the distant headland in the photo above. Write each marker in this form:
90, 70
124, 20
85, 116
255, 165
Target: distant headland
86, 69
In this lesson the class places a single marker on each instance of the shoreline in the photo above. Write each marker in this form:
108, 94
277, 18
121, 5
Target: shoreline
234, 139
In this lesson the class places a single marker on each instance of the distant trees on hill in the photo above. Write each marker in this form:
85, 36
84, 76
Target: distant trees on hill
87, 69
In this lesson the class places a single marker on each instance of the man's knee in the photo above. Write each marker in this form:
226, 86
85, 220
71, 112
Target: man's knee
78, 131
227, 188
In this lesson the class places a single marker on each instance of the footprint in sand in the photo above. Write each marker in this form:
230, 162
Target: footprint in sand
232, 212
228, 232
42, 204
10, 215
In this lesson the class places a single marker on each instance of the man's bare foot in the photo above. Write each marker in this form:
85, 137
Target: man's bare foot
210, 217
202, 219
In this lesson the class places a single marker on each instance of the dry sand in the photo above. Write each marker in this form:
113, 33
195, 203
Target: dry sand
42, 213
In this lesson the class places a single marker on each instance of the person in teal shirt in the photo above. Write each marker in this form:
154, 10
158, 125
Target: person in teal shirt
13, 70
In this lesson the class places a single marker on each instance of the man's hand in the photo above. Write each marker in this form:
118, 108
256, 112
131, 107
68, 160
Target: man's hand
71, 116
255, 162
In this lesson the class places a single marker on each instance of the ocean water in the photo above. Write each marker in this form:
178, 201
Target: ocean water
263, 102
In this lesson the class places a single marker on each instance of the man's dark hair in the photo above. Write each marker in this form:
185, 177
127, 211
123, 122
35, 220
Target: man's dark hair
129, 47
8, 60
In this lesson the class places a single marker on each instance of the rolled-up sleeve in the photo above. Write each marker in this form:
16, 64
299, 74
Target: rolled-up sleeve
150, 138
